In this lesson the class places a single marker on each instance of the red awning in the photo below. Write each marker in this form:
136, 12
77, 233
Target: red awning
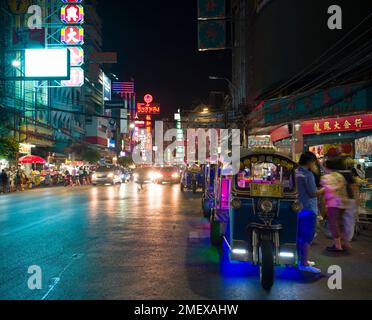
31, 160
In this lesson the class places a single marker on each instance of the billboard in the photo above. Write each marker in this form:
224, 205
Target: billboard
47, 64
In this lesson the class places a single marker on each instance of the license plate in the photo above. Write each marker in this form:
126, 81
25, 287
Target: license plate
266, 190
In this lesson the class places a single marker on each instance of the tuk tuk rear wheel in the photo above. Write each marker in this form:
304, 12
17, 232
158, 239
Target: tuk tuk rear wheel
215, 236
267, 265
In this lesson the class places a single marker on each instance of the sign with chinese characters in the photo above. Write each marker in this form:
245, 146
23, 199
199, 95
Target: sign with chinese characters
72, 14
76, 78
211, 9
72, 1
152, 108
212, 35
76, 56
72, 35
351, 123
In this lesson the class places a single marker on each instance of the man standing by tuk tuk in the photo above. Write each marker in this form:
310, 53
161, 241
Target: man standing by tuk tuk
307, 194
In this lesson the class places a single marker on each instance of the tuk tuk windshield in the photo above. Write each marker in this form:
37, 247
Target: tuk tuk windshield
268, 173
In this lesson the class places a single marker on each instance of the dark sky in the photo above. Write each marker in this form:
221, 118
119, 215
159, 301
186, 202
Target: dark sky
156, 43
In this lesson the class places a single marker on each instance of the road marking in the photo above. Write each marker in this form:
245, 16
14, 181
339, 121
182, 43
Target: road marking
57, 280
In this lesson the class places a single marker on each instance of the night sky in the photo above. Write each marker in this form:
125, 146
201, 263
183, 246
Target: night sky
156, 43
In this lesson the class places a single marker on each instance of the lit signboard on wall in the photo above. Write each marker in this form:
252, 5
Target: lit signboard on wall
72, 35
72, 13
47, 64
143, 108
77, 56
76, 78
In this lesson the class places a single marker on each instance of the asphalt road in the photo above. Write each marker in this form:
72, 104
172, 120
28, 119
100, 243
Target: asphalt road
118, 243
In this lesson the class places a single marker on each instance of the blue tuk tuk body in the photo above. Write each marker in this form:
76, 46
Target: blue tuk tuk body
208, 198
192, 179
262, 223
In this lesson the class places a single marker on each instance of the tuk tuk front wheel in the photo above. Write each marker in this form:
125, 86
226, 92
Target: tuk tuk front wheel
267, 265
194, 187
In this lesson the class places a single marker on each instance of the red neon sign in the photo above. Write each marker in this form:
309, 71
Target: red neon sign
352, 123
153, 108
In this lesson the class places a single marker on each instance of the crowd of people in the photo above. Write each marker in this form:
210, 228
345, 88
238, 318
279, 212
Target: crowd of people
16, 179
13, 180
328, 193
78, 177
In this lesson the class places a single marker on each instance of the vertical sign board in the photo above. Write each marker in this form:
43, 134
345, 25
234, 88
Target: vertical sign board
212, 24
72, 35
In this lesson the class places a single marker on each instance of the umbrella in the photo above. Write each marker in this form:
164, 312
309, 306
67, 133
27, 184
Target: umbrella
31, 160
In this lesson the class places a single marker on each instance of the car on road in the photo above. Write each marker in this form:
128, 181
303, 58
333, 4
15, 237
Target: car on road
108, 175
167, 175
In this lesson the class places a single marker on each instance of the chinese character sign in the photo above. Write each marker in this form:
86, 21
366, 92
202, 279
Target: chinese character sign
77, 56
352, 123
211, 9
72, 35
76, 78
72, 14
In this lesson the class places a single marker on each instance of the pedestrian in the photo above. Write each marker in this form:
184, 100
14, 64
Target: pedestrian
337, 202
359, 172
4, 181
307, 194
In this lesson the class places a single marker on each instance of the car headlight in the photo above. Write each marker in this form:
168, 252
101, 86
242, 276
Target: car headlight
266, 206
94, 176
110, 175
175, 175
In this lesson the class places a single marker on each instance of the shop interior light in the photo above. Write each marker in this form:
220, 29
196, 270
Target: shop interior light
16, 63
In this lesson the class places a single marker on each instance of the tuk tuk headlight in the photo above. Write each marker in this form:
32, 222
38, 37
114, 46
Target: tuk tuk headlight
236, 203
266, 206
296, 206
111, 175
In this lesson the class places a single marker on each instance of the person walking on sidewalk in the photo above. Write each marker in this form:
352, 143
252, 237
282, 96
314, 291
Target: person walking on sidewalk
4, 181
307, 194
337, 202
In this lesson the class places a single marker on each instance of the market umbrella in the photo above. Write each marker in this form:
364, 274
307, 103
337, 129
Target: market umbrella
31, 160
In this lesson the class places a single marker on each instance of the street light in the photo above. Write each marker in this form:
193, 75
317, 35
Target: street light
16, 63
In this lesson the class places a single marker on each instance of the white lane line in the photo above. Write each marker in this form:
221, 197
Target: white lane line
57, 280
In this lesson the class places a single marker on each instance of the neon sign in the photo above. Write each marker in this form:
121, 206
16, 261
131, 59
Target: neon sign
72, 35
72, 14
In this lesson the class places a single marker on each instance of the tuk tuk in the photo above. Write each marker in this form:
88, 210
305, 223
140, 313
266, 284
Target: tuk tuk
208, 198
221, 204
192, 178
261, 224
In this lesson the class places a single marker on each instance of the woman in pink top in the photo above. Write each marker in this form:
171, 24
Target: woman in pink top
336, 199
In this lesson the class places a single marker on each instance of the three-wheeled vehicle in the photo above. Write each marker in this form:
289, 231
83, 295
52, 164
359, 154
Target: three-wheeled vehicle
192, 178
208, 198
261, 226
221, 203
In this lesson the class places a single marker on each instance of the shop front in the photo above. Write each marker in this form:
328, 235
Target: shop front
346, 137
